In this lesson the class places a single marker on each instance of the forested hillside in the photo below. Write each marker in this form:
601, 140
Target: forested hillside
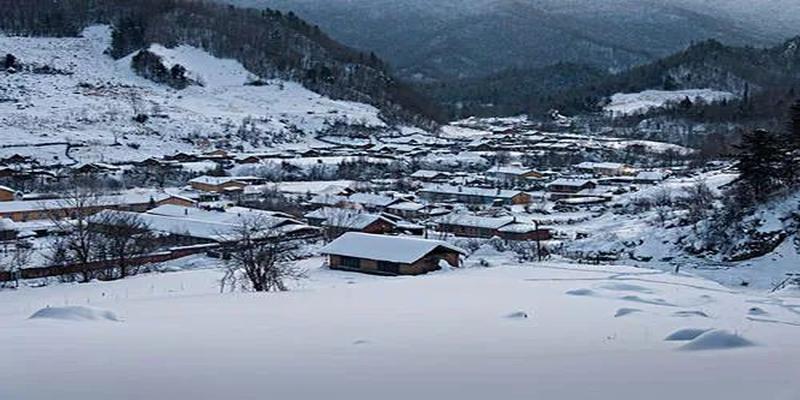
764, 80
451, 39
269, 43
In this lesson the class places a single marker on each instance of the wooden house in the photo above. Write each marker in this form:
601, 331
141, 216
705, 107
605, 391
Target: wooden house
390, 255
473, 195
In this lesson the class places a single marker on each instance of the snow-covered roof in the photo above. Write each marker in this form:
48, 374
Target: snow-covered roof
212, 225
471, 191
232, 215
509, 170
371, 199
570, 182
476, 221
221, 180
650, 176
407, 206
398, 249
519, 227
127, 198
7, 189
600, 165
428, 174
328, 199
353, 220
7, 225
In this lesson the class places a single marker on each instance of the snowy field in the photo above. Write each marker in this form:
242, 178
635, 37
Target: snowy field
548, 331
623, 104
94, 102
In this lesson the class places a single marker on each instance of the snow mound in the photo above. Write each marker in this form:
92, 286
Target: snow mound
690, 314
757, 311
655, 302
517, 315
626, 287
581, 292
75, 313
684, 335
626, 311
717, 340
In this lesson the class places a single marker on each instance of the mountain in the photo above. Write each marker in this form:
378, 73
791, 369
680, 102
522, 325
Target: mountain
764, 79
451, 39
511, 92
268, 43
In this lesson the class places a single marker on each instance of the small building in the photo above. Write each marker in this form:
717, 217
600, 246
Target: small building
649, 177
605, 168
513, 174
564, 185
407, 209
191, 225
223, 184
372, 202
425, 175
32, 210
339, 221
508, 228
390, 255
473, 195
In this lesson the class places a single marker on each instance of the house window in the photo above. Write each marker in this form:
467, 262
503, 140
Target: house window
390, 267
351, 262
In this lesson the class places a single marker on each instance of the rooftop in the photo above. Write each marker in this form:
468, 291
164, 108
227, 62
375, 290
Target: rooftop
399, 249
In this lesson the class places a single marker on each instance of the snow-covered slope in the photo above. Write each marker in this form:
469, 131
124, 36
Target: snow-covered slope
549, 331
93, 100
623, 104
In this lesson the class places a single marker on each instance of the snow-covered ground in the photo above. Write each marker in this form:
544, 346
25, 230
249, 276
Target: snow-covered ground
512, 332
95, 101
623, 104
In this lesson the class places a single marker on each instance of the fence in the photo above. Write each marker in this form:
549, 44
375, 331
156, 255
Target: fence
58, 270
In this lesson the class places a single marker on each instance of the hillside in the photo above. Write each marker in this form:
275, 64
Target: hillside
763, 81
268, 43
452, 39
67, 100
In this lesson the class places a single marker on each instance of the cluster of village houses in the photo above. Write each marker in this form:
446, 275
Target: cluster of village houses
385, 232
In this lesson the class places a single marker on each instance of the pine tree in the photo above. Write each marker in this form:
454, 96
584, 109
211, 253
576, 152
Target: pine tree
760, 165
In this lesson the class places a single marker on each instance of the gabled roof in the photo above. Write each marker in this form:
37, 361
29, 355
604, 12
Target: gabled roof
372, 199
398, 249
429, 174
220, 180
471, 191
476, 221
570, 182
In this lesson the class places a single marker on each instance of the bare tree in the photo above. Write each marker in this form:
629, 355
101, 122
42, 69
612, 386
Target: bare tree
79, 245
698, 200
20, 257
260, 258
123, 237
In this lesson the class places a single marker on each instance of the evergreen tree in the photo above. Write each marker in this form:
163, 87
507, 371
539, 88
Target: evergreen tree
761, 166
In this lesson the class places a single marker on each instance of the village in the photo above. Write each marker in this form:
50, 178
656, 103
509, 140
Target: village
422, 198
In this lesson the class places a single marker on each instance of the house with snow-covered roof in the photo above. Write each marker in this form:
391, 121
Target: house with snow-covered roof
473, 195
390, 255
337, 221
222, 184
